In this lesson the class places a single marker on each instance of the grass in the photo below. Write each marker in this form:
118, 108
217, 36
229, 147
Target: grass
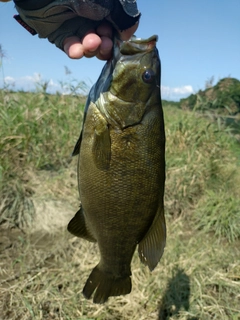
38, 132
223, 98
42, 274
196, 279
30, 124
219, 212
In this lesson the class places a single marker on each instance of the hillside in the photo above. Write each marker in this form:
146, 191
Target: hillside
223, 98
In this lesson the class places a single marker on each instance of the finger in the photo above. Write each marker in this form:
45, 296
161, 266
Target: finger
89, 54
105, 29
73, 47
76, 49
105, 49
91, 43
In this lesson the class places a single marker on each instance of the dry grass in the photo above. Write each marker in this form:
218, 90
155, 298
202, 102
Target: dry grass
198, 278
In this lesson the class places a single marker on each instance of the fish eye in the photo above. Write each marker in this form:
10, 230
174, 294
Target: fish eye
148, 76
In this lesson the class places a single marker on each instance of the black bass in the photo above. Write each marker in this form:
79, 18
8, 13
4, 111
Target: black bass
121, 169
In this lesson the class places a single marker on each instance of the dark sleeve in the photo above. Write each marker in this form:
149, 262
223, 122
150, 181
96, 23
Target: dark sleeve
124, 14
59, 19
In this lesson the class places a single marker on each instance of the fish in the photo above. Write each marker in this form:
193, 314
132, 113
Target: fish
121, 168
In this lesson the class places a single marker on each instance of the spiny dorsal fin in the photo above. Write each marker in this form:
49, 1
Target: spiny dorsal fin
151, 247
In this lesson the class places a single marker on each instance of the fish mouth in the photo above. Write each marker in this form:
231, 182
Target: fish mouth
140, 40
137, 45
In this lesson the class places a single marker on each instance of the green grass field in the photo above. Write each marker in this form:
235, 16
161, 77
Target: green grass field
43, 268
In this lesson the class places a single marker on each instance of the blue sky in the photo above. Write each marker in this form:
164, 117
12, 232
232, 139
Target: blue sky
197, 40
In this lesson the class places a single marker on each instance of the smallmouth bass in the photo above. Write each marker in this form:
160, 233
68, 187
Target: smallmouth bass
121, 168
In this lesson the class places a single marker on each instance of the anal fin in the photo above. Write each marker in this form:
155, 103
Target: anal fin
151, 247
77, 227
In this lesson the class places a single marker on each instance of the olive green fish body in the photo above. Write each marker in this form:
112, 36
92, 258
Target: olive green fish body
122, 172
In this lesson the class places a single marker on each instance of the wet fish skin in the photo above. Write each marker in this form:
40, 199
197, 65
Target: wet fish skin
121, 169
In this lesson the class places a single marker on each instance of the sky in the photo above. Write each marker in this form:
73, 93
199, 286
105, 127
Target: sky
198, 40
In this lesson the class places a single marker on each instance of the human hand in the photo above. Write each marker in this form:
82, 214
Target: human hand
97, 43
80, 27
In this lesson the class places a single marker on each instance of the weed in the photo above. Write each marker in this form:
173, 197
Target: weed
219, 212
38, 132
198, 158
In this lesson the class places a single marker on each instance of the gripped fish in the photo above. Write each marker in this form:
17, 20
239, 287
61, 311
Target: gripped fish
121, 168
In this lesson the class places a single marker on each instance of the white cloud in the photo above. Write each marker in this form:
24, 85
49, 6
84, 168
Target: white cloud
9, 80
53, 84
36, 77
176, 93
31, 83
183, 90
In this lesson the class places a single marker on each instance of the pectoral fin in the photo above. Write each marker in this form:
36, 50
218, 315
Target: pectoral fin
151, 247
102, 144
77, 227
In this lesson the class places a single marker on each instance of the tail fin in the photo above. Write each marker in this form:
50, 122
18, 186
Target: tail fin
105, 286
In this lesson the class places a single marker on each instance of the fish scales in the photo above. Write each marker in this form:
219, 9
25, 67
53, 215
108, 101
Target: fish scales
121, 170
